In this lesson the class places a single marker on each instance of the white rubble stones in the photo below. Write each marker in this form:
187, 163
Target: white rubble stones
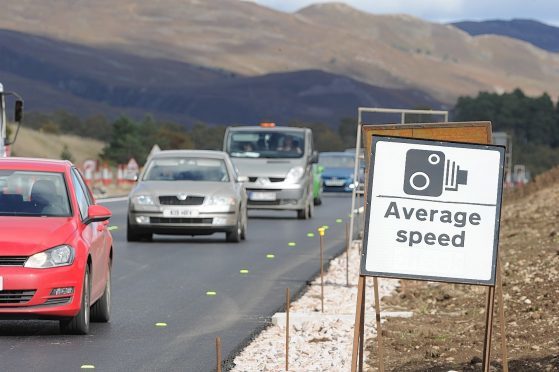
318, 343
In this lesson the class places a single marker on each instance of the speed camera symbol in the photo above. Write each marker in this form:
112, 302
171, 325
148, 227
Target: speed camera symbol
427, 173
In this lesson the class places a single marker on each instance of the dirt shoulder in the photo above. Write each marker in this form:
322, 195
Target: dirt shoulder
447, 329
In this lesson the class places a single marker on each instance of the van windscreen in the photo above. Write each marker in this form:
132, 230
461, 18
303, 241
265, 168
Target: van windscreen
266, 144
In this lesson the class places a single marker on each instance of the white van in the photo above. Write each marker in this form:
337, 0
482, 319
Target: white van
278, 163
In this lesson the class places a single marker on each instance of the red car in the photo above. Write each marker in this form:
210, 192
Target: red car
55, 248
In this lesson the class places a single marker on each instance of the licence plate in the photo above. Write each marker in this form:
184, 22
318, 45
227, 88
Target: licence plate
262, 196
179, 212
1, 283
334, 182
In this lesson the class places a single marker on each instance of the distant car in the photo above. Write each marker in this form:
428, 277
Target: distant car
318, 186
338, 171
55, 249
188, 192
361, 166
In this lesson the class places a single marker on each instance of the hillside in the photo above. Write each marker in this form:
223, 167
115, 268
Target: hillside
51, 74
447, 329
32, 143
539, 34
251, 40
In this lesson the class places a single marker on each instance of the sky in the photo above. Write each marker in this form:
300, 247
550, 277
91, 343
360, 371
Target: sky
546, 11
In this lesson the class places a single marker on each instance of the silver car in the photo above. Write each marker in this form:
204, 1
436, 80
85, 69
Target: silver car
188, 192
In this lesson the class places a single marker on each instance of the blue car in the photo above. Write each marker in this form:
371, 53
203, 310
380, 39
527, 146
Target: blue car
338, 171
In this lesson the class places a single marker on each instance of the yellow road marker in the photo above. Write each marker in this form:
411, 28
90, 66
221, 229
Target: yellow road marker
88, 366
161, 324
292, 244
111, 228
325, 227
270, 256
310, 235
339, 220
211, 293
243, 271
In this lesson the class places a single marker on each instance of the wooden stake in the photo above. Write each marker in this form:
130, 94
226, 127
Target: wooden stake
359, 318
379, 327
321, 233
488, 328
504, 352
218, 353
362, 330
287, 300
348, 244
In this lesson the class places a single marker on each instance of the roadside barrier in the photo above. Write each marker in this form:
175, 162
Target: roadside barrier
120, 175
106, 175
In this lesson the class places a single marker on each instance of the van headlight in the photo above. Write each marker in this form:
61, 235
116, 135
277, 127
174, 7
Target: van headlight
62, 255
294, 174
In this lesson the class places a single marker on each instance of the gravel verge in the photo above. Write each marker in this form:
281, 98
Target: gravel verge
317, 343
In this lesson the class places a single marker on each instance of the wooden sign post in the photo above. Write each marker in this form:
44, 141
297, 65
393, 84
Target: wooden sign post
432, 213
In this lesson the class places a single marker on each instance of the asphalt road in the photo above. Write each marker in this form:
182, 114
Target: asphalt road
167, 280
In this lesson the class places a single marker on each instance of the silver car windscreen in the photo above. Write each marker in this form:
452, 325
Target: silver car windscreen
186, 169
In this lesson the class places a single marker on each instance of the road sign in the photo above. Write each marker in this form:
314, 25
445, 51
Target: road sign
433, 210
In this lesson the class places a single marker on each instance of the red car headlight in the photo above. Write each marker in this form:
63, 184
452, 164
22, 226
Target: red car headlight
61, 255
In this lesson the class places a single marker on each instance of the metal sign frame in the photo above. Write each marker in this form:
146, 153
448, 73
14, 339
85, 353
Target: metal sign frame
360, 112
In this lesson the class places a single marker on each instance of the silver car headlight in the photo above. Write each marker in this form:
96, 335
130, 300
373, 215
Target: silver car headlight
62, 255
143, 200
220, 201
294, 174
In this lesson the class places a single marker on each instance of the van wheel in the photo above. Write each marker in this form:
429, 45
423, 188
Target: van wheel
305, 213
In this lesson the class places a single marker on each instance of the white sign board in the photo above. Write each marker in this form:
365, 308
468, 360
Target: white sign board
433, 210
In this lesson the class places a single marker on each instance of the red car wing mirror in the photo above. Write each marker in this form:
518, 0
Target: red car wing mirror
97, 213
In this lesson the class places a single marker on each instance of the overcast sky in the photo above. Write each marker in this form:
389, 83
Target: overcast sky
444, 10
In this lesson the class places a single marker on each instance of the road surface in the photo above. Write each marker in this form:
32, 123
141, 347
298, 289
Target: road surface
166, 281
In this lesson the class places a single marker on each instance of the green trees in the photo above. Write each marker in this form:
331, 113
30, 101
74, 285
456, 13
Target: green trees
132, 139
532, 121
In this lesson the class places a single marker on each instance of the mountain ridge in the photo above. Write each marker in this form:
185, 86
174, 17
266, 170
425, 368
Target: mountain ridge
251, 40
539, 34
51, 74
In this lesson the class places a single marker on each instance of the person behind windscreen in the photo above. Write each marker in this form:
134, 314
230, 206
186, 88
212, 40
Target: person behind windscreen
290, 145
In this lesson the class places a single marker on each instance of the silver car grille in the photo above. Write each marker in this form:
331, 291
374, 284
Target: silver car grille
176, 200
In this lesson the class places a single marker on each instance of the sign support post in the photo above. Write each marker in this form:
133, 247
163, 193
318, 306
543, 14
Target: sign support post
358, 341
379, 326
488, 328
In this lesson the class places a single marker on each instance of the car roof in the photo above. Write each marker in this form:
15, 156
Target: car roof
337, 153
271, 129
39, 164
190, 153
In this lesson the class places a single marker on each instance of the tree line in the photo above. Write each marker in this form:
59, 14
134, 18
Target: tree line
533, 123
127, 137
